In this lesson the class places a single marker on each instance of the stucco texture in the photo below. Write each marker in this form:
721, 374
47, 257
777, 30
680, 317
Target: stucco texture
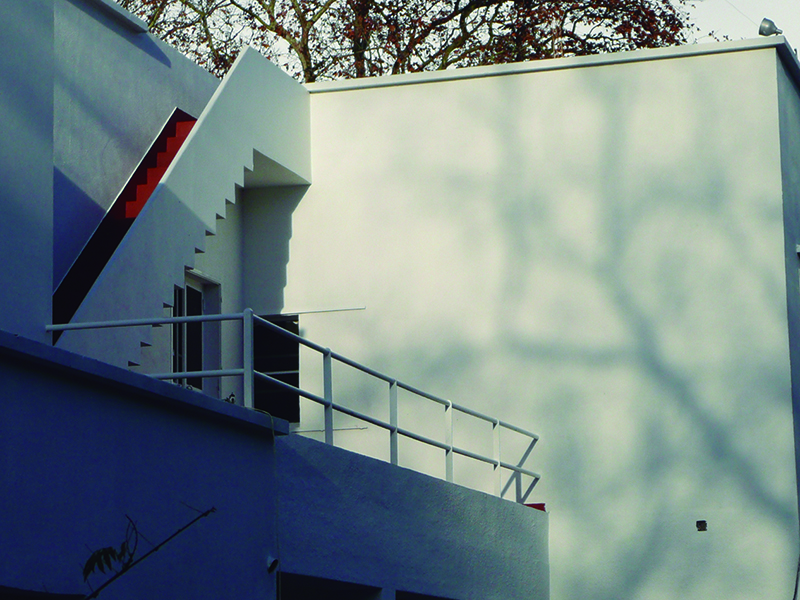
594, 253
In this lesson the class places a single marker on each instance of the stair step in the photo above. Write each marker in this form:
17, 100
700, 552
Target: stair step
154, 174
163, 159
109, 233
182, 129
173, 145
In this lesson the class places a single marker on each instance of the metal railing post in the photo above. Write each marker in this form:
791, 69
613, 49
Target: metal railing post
393, 448
248, 358
327, 382
498, 484
448, 440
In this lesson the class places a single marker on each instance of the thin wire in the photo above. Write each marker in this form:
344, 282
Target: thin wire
740, 12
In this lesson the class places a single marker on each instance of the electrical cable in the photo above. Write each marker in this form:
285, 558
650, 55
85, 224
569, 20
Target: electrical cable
741, 13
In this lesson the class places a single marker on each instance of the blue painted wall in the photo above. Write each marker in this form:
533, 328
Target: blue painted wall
83, 444
82, 98
113, 91
26, 150
364, 520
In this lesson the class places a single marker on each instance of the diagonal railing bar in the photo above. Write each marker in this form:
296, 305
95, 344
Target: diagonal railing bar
521, 462
249, 374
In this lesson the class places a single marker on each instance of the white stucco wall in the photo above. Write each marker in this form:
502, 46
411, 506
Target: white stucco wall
596, 253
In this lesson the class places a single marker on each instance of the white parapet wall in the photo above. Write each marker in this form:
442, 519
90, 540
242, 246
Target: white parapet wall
592, 249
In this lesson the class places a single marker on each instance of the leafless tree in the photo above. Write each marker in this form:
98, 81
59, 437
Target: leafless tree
337, 39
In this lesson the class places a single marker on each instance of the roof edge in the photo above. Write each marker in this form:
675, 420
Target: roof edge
576, 62
121, 15
788, 57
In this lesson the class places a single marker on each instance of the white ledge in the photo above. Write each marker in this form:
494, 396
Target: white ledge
574, 62
119, 14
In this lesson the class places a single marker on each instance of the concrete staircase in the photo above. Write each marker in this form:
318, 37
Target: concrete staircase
257, 111
106, 238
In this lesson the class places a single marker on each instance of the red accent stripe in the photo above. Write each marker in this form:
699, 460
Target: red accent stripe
164, 159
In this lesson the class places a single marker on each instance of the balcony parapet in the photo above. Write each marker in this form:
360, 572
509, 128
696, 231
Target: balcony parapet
249, 321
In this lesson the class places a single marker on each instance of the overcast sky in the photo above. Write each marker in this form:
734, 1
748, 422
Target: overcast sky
739, 19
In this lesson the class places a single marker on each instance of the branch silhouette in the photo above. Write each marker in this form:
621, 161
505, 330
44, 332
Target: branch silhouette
125, 554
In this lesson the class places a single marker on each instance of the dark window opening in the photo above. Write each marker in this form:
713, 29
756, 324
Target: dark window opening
303, 587
278, 356
9, 593
187, 338
412, 596
194, 336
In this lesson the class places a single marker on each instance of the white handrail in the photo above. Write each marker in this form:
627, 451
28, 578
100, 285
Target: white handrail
249, 375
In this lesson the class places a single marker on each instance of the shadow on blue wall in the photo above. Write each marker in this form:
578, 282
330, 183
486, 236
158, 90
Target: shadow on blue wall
141, 41
77, 215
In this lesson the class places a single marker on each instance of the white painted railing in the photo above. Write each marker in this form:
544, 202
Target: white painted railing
248, 373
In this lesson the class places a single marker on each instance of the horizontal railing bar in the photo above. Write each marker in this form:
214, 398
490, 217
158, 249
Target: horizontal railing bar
422, 438
465, 410
473, 413
289, 334
139, 322
517, 469
322, 401
313, 397
474, 456
356, 365
318, 348
362, 368
209, 373
519, 430
290, 388
477, 415
418, 392
492, 461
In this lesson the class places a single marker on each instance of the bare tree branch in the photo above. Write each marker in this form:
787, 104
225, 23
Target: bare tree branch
334, 39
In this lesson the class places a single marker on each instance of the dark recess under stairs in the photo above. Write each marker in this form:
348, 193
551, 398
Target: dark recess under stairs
109, 233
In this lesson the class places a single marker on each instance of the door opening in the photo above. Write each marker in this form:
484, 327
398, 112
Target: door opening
196, 346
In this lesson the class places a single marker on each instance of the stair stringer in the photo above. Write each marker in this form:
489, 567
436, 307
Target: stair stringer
257, 110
